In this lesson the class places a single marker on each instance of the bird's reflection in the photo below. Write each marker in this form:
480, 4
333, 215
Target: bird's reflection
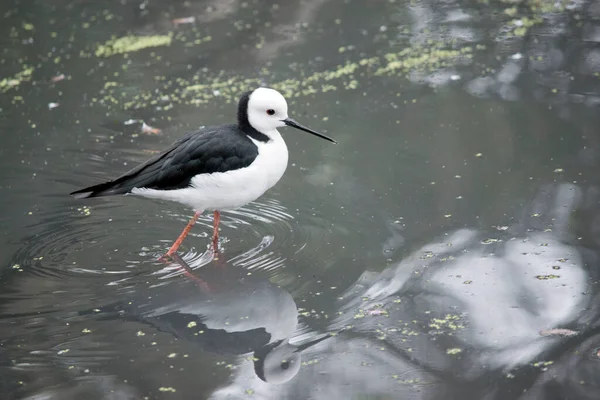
456, 311
226, 310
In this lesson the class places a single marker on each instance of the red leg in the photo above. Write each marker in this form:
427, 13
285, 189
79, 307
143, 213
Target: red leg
190, 274
217, 220
181, 237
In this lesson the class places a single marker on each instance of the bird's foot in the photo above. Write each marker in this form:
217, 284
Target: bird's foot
168, 254
164, 257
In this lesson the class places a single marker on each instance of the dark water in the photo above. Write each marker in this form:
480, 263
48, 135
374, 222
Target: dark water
446, 248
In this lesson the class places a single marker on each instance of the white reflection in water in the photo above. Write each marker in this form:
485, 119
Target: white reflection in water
490, 293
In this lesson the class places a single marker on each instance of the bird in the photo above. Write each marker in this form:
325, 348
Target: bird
216, 168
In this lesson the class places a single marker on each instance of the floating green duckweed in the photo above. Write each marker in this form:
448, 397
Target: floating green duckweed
204, 87
85, 210
7, 84
422, 58
542, 364
547, 277
129, 44
449, 323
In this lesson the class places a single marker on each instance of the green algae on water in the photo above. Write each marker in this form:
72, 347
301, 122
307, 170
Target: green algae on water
129, 44
24, 75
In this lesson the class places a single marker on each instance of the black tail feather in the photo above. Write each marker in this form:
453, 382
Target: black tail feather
104, 189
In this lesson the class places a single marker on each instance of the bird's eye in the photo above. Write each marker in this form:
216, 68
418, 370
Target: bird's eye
270, 111
285, 364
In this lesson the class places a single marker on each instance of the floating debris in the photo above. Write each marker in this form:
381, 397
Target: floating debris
52, 105
57, 78
378, 312
149, 129
191, 324
454, 351
185, 20
167, 389
85, 330
490, 241
558, 332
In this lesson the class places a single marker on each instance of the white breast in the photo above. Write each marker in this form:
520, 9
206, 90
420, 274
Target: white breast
232, 189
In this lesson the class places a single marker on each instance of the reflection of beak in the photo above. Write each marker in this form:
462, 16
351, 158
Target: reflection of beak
292, 123
306, 345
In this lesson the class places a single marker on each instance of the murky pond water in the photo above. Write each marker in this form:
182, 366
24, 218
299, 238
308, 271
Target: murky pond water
446, 248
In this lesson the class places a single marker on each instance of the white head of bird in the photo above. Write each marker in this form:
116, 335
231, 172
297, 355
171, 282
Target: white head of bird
266, 110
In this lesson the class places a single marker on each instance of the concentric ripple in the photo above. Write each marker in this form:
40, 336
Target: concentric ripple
89, 240
48, 251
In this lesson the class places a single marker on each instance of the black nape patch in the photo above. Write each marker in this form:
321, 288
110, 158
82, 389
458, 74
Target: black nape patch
244, 123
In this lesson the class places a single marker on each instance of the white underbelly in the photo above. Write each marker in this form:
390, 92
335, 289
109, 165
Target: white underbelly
233, 189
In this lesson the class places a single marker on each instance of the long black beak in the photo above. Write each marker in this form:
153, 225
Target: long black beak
291, 122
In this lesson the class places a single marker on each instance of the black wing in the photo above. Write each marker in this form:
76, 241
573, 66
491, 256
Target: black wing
215, 149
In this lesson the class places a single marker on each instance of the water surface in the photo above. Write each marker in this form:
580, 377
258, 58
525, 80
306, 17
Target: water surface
446, 248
